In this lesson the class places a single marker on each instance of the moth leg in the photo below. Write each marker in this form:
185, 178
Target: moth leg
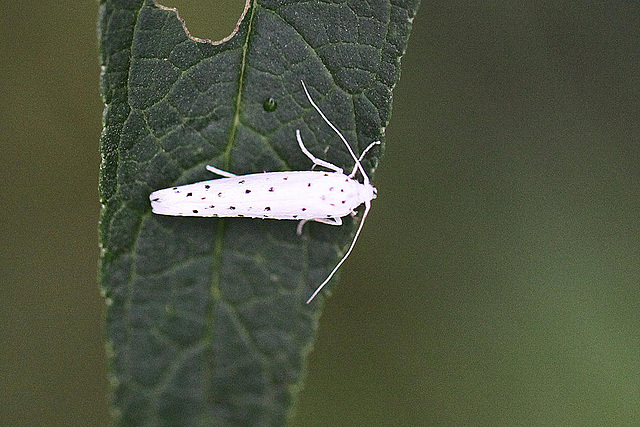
220, 172
325, 153
330, 221
300, 224
314, 159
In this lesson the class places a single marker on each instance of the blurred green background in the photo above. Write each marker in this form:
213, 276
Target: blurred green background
497, 281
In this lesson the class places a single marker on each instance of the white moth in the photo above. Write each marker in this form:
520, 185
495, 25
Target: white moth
320, 196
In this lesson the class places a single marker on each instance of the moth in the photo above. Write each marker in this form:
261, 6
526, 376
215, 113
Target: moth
314, 195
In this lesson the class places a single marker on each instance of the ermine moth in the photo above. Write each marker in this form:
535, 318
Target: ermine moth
321, 196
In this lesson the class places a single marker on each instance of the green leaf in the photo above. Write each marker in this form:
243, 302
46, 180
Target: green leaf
206, 319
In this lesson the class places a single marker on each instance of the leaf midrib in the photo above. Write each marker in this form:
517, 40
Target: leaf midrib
218, 243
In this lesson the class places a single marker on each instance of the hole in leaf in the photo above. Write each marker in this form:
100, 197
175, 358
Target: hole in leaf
208, 21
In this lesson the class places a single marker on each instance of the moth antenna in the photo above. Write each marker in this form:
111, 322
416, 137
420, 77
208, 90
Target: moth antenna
367, 205
358, 165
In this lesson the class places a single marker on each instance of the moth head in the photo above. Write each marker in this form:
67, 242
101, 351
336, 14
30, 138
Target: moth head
370, 192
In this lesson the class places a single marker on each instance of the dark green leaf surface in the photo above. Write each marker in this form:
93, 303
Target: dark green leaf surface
207, 322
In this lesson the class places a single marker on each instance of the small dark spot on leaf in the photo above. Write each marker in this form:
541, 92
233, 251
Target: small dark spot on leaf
241, 181
247, 191
156, 199
285, 178
195, 211
332, 188
270, 104
270, 188
326, 174
211, 206
189, 194
295, 216
267, 208
309, 185
207, 187
174, 188
304, 209
232, 208
220, 194
344, 201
